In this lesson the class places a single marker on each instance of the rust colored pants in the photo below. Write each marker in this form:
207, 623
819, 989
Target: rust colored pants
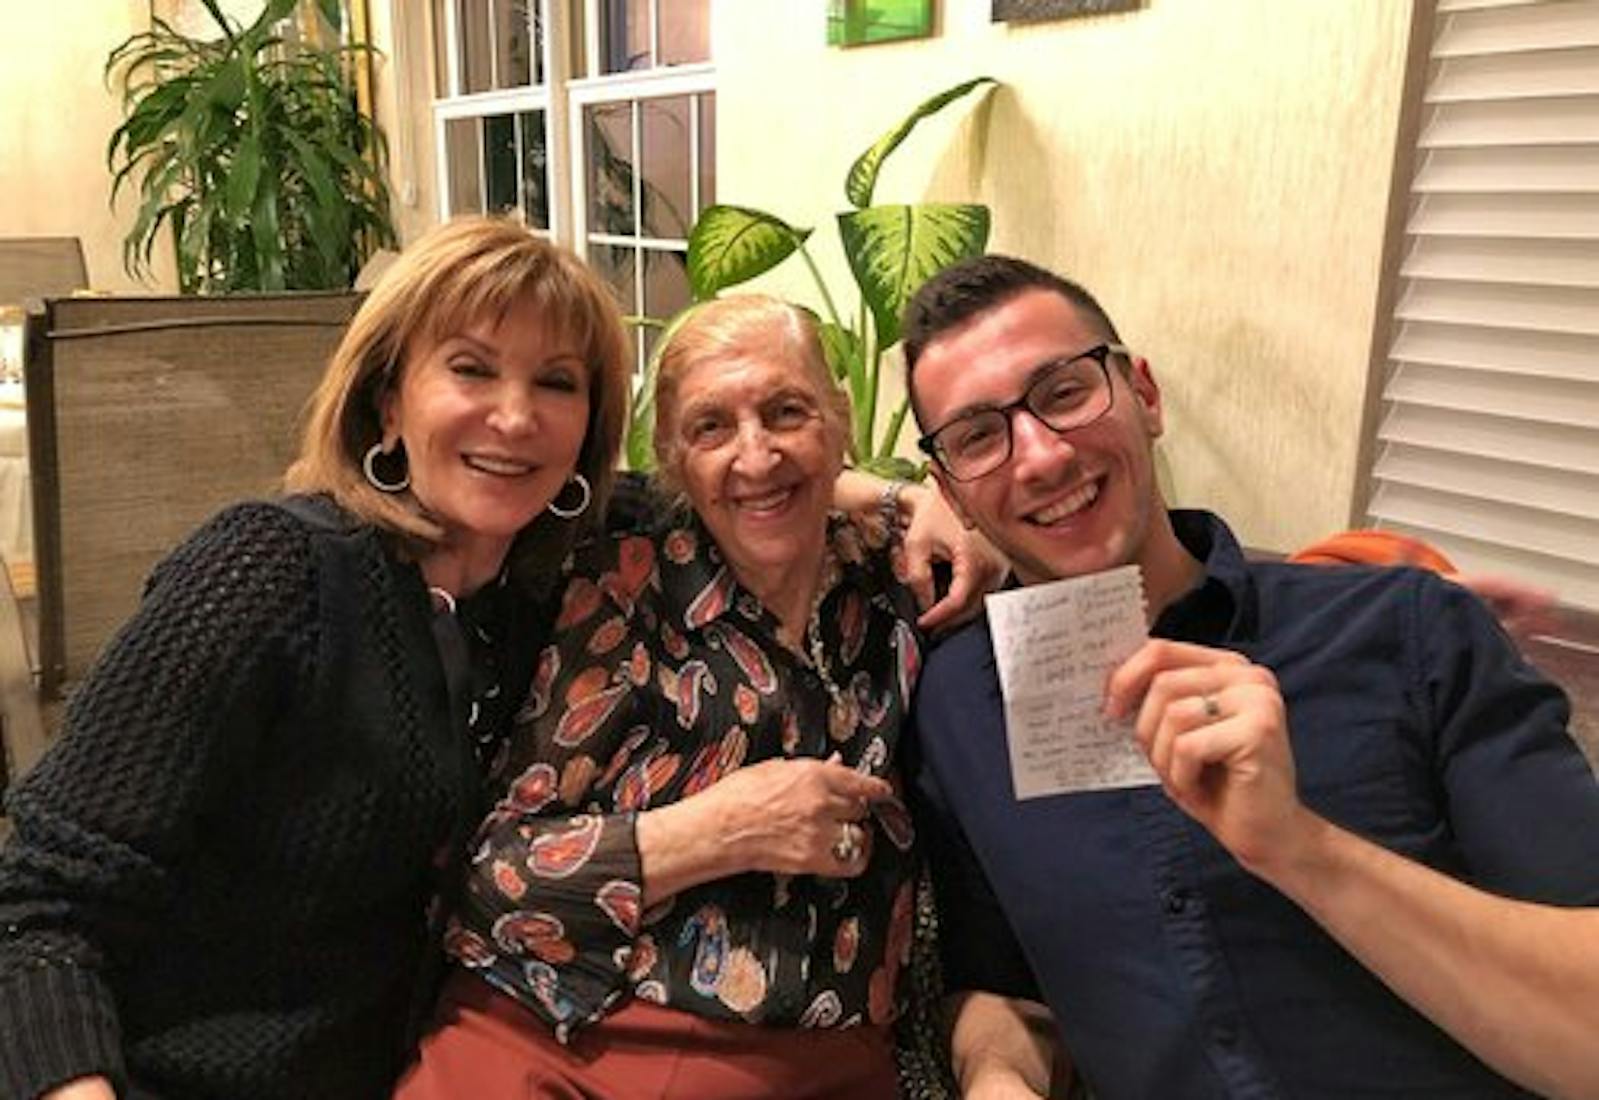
484, 1044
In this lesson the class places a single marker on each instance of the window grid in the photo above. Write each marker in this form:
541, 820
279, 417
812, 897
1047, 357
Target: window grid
567, 94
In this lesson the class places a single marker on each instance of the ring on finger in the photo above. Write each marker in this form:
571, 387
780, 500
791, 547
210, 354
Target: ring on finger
847, 848
1212, 708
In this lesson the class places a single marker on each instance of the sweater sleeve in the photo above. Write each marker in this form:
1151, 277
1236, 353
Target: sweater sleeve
551, 908
103, 824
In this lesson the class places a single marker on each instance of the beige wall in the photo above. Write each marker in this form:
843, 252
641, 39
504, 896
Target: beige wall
1217, 171
55, 119
56, 116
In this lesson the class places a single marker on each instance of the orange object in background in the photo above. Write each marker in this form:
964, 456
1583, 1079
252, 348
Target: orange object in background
1374, 548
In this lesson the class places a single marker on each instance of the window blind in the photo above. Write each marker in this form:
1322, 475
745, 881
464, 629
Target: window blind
1488, 445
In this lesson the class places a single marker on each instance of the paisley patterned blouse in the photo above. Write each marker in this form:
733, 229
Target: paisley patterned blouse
664, 676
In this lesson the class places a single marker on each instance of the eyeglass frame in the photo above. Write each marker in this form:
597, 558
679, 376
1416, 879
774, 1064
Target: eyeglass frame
1099, 353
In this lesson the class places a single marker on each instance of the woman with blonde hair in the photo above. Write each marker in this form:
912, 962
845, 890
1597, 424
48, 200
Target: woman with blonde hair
226, 874
698, 882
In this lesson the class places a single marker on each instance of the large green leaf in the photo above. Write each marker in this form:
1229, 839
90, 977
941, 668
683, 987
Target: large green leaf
268, 237
862, 178
330, 217
893, 250
733, 244
243, 180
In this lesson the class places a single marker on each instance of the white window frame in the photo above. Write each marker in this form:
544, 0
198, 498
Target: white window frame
636, 89
563, 99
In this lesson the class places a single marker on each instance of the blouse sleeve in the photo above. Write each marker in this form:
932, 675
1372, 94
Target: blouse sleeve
104, 822
551, 908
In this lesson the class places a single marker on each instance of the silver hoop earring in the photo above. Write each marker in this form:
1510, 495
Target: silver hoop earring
582, 484
369, 468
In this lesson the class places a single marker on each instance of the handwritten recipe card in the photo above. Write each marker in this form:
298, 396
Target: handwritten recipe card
1054, 645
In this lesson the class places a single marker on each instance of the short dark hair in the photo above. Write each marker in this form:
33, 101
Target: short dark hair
971, 287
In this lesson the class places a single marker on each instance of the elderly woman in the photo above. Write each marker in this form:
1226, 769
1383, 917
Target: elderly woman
221, 875
698, 883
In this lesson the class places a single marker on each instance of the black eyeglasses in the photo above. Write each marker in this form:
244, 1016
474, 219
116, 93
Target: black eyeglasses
1063, 395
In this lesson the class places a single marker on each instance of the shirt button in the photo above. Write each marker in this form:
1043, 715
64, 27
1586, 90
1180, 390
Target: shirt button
1176, 900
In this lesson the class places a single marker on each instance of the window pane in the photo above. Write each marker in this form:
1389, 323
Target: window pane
499, 163
464, 158
707, 104
624, 35
610, 168
614, 263
666, 289
535, 169
666, 292
685, 31
515, 61
477, 55
665, 151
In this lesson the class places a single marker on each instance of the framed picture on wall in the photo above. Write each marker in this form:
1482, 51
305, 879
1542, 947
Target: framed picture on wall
861, 22
1027, 11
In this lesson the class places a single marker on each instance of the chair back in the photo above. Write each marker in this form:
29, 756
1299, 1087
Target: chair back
40, 267
146, 415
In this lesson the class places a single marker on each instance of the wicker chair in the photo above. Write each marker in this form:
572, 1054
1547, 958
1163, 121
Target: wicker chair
145, 415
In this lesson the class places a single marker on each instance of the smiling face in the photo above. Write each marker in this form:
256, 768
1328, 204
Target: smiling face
757, 459
492, 419
1060, 506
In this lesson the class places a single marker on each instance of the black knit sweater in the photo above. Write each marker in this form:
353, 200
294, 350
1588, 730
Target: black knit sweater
219, 880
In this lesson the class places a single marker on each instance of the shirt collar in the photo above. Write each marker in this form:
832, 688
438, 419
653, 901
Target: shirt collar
1224, 603
698, 586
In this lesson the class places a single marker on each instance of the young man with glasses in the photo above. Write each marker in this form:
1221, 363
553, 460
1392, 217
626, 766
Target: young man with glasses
1357, 772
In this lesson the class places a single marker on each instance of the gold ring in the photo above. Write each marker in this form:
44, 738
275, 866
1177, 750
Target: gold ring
847, 848
1212, 708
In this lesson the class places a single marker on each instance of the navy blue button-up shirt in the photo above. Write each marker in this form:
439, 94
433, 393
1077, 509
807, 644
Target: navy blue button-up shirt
1170, 970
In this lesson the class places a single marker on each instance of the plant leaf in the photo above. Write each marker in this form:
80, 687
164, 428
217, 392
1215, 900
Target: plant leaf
333, 13
219, 18
893, 250
862, 178
885, 447
843, 351
892, 468
242, 181
640, 445
733, 244
268, 238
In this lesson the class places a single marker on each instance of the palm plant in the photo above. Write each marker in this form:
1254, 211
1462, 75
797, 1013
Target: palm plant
251, 149
891, 250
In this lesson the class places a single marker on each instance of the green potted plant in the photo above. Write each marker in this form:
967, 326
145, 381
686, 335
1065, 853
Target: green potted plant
891, 250
250, 147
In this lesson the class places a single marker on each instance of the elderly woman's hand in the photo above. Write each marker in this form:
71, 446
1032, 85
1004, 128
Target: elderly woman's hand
934, 533
796, 817
791, 817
